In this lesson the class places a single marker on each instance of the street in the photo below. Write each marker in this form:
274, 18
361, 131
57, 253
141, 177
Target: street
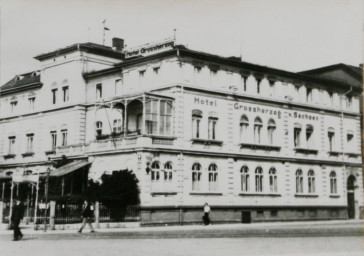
343, 238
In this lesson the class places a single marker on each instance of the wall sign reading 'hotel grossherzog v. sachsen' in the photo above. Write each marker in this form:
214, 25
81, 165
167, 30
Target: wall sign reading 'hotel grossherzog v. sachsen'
148, 49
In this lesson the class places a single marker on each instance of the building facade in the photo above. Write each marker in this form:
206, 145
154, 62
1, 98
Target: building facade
256, 143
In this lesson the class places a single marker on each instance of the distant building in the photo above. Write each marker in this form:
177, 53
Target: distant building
256, 143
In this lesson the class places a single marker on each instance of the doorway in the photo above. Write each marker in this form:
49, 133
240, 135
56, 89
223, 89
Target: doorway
351, 184
246, 217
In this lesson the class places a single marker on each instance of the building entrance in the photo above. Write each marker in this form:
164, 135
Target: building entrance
351, 196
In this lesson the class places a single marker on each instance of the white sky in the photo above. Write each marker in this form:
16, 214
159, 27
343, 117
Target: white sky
293, 35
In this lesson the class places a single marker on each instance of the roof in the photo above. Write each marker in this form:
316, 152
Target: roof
68, 168
86, 47
21, 81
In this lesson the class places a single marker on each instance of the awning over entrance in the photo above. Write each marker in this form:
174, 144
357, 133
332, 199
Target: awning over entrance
68, 168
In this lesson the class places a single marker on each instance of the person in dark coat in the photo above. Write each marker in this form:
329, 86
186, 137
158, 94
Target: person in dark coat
17, 215
87, 214
206, 217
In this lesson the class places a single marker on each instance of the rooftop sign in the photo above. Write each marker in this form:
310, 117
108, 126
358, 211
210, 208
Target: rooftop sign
150, 48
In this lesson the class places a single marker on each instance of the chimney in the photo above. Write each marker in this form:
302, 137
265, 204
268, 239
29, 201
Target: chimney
118, 44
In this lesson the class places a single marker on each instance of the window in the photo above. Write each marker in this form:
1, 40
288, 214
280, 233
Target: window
350, 140
98, 91
299, 181
309, 95
212, 177
54, 96
31, 102
271, 129
165, 117
297, 135
349, 101
259, 80
64, 137
168, 173
151, 118
13, 105
196, 177
311, 181
257, 129
273, 180
212, 123
141, 77
331, 98
30, 138
297, 89
244, 80
156, 70
271, 87
258, 179
309, 136
244, 173
54, 139
331, 137
117, 125
65, 90
118, 84
244, 124
98, 128
11, 145
196, 121
333, 183
213, 77
155, 174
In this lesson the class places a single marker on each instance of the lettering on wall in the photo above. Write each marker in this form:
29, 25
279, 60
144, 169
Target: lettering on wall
257, 110
205, 101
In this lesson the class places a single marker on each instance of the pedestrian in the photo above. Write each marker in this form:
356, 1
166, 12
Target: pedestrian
17, 215
86, 216
206, 217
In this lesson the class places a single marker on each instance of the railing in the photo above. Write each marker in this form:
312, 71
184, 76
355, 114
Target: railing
131, 214
67, 213
72, 149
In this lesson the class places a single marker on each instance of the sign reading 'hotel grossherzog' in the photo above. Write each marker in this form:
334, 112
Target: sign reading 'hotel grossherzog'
150, 48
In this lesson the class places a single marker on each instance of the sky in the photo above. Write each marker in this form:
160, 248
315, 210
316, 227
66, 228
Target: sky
293, 35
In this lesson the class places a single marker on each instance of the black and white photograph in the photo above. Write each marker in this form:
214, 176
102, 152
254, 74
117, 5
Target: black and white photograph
177, 128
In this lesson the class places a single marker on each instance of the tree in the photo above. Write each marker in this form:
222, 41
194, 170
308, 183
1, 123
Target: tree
118, 191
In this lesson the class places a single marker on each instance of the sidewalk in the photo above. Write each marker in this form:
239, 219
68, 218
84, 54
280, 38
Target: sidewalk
134, 227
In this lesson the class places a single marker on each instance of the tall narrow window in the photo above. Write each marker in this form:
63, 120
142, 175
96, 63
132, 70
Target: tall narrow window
117, 125
13, 105
212, 123
118, 84
98, 128
196, 122
309, 136
244, 80
349, 101
350, 141
257, 129
141, 77
297, 90
259, 80
299, 181
258, 179
311, 181
271, 87
331, 137
54, 96
30, 138
271, 129
197, 72
196, 177
273, 180
31, 102
331, 99
11, 145
212, 177
297, 135
309, 95
98, 91
64, 137
151, 116
155, 174
165, 117
168, 173
244, 173
65, 90
54, 139
333, 183
244, 124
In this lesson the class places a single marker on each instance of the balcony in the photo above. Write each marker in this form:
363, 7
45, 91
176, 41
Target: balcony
260, 146
75, 149
9, 156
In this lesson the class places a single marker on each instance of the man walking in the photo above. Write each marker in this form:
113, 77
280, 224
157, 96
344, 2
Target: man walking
86, 217
17, 215
206, 217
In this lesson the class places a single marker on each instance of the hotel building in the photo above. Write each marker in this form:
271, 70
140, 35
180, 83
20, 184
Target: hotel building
256, 143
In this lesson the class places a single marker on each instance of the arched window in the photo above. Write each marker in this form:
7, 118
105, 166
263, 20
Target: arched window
299, 181
244, 124
331, 137
196, 177
271, 129
212, 177
257, 129
273, 180
244, 173
196, 123
98, 128
168, 173
333, 183
309, 136
259, 179
311, 181
212, 125
297, 135
155, 173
